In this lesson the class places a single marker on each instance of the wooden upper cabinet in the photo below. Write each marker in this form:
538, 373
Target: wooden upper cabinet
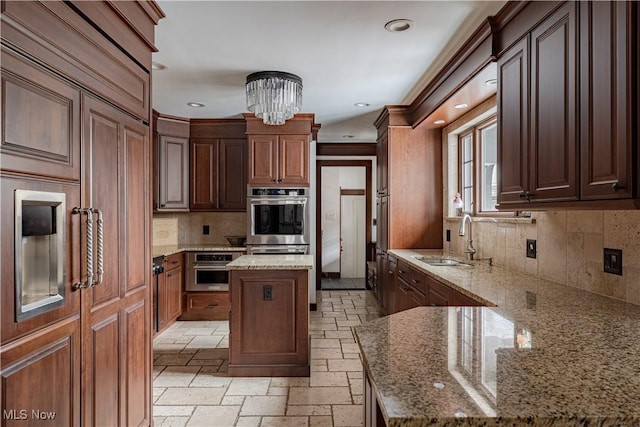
606, 104
218, 165
232, 174
568, 110
293, 160
513, 119
171, 163
279, 160
263, 159
173, 173
279, 155
204, 172
553, 144
382, 162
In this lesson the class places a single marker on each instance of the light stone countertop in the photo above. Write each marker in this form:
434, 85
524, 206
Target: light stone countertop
202, 247
548, 354
272, 262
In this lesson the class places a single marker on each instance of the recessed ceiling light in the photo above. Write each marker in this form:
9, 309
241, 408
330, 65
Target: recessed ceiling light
460, 106
195, 104
398, 25
347, 136
158, 66
491, 82
439, 122
361, 104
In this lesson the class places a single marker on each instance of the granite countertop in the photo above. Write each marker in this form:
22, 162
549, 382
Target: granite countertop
272, 262
173, 249
546, 354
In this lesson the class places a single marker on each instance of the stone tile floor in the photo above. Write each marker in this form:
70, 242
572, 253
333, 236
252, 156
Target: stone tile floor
191, 387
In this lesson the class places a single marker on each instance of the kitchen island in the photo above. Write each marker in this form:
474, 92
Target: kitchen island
269, 319
547, 354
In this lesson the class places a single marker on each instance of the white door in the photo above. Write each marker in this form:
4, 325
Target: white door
352, 236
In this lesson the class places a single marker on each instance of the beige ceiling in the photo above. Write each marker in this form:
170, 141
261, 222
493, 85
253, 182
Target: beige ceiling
340, 49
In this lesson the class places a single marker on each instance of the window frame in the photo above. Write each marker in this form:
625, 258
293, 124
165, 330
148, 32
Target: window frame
476, 132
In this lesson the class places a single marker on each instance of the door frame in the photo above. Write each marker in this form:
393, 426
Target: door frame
368, 165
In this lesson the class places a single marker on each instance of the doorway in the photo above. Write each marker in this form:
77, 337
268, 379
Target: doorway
344, 221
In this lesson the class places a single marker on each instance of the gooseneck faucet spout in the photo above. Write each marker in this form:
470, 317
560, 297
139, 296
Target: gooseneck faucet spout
470, 251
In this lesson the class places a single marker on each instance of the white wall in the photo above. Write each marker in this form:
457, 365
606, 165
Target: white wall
334, 178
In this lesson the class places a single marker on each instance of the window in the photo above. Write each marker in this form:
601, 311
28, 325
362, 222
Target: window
478, 148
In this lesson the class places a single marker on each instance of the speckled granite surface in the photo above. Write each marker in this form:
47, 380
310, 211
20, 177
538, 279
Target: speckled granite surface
173, 249
546, 355
272, 262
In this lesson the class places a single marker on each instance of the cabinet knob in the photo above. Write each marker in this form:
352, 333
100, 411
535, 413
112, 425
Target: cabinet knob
390, 271
162, 205
526, 195
616, 186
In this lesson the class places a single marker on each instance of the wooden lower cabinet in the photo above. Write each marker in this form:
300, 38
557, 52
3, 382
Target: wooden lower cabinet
48, 360
269, 323
206, 306
416, 289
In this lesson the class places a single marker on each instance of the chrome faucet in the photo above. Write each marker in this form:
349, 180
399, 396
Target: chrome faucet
466, 217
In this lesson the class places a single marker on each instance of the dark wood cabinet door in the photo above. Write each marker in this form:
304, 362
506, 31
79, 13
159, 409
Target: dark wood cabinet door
162, 298
42, 373
174, 293
204, 172
263, 159
513, 123
40, 121
232, 174
383, 223
173, 174
390, 284
439, 293
553, 145
293, 160
116, 318
606, 103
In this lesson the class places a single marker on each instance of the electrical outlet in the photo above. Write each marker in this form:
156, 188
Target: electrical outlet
267, 293
448, 235
205, 229
531, 248
613, 261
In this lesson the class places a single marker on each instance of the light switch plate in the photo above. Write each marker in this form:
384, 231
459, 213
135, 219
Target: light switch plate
613, 261
531, 248
448, 235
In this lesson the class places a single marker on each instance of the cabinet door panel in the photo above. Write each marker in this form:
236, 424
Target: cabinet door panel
263, 162
174, 293
554, 155
606, 152
294, 160
174, 172
513, 123
41, 121
42, 372
233, 174
204, 185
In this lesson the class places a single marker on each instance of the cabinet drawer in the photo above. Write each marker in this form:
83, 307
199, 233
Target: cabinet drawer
412, 276
439, 293
173, 260
208, 301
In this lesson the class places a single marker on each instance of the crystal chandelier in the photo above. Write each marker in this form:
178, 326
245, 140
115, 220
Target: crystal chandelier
274, 96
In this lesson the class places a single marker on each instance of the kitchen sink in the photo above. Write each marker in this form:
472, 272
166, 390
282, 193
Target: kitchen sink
438, 261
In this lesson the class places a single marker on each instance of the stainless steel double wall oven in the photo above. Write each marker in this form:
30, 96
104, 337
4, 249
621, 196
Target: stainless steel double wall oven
278, 220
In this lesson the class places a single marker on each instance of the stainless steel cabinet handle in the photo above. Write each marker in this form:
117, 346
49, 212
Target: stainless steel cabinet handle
89, 249
100, 254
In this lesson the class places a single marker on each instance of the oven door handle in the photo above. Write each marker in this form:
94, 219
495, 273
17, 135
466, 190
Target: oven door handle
291, 201
197, 266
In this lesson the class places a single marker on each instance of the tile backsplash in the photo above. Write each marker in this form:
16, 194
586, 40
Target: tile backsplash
570, 248
186, 228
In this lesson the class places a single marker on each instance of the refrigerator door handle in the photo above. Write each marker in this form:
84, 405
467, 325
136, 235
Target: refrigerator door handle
100, 253
89, 248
